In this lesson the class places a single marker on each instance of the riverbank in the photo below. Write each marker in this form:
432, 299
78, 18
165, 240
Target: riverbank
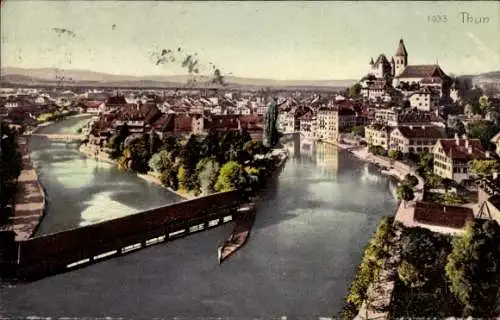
30, 199
244, 224
30, 203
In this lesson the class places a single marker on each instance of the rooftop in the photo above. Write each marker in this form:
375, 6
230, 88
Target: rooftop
442, 215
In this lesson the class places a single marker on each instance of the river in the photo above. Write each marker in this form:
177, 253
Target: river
301, 257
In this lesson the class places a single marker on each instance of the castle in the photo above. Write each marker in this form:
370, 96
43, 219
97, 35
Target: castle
384, 76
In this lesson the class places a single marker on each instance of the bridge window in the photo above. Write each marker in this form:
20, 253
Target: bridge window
105, 254
74, 264
131, 248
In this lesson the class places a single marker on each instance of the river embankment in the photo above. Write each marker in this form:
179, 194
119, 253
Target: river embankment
244, 223
30, 198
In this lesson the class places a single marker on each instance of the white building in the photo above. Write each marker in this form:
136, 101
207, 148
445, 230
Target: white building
424, 99
327, 125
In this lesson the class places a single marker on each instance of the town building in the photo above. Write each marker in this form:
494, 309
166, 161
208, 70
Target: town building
496, 141
415, 139
308, 126
452, 157
378, 134
424, 99
327, 125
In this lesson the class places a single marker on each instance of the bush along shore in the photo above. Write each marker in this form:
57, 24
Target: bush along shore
375, 254
198, 165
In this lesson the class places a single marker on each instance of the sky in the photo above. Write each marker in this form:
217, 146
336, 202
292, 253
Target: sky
278, 40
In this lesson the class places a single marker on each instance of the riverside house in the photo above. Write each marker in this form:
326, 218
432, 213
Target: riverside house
378, 134
452, 157
415, 139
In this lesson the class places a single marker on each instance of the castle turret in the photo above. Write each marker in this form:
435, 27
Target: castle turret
400, 58
393, 67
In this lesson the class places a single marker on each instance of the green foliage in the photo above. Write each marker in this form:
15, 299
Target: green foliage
208, 171
355, 91
421, 287
411, 180
376, 150
10, 169
483, 103
169, 178
451, 199
358, 130
182, 179
484, 167
432, 180
170, 144
375, 253
455, 126
483, 130
426, 162
410, 274
231, 177
116, 141
473, 269
405, 192
395, 154
160, 161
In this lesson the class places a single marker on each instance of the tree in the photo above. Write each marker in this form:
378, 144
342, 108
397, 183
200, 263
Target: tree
483, 130
182, 179
484, 167
154, 142
117, 140
10, 169
410, 274
170, 143
169, 178
426, 162
451, 199
136, 156
473, 269
231, 177
483, 104
411, 180
455, 126
405, 193
358, 130
355, 91
394, 154
208, 171
433, 180
160, 161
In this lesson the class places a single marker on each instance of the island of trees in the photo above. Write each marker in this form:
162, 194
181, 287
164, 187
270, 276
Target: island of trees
198, 165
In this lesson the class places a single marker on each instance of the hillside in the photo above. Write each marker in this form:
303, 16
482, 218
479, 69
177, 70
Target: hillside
51, 76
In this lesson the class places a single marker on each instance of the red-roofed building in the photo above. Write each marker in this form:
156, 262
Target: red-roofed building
90, 106
452, 157
415, 139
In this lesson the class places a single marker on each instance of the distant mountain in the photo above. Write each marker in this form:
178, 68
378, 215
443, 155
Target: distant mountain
51, 76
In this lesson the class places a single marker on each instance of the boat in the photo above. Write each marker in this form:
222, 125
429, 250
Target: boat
238, 237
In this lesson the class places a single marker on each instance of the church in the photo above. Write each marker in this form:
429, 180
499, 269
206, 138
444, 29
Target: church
398, 74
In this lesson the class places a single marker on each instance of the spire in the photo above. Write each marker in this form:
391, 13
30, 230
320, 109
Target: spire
371, 61
401, 51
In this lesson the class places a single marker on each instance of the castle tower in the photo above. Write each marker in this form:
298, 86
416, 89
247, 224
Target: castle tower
400, 58
393, 67
371, 64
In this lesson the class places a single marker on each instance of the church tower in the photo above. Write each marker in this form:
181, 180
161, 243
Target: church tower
400, 58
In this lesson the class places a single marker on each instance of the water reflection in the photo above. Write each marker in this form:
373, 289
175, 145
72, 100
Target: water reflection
82, 191
301, 257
